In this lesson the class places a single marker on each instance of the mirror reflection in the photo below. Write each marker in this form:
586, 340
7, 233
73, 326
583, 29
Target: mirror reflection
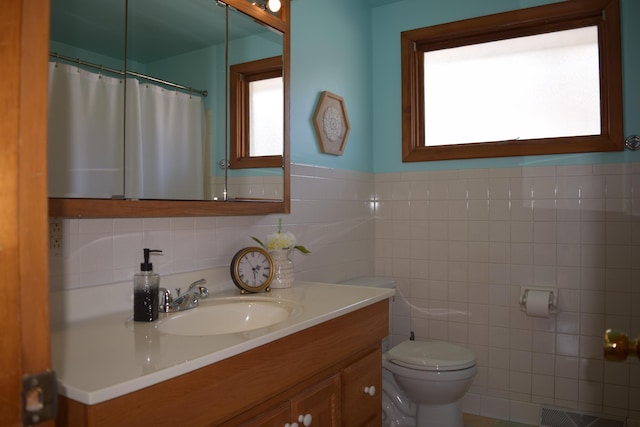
256, 121
161, 133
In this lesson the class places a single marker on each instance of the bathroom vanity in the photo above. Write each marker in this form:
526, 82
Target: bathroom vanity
322, 365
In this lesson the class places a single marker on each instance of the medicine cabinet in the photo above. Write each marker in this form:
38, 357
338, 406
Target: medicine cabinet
158, 61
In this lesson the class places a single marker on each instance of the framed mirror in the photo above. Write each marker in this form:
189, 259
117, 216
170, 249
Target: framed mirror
165, 151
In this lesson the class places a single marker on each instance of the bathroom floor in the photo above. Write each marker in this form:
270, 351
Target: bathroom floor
478, 421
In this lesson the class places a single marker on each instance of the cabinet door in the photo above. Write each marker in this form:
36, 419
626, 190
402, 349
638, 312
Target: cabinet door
319, 405
362, 391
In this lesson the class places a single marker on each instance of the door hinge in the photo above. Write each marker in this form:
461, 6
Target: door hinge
39, 397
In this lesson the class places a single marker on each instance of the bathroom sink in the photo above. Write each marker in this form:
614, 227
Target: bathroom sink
228, 315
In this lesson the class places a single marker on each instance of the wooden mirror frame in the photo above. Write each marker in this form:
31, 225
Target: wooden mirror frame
108, 208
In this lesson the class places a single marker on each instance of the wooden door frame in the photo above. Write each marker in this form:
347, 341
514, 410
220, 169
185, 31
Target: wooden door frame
24, 275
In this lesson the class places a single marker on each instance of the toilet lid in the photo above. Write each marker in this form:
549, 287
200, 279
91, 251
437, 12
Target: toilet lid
432, 355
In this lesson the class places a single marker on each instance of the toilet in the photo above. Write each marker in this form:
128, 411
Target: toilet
434, 375
423, 381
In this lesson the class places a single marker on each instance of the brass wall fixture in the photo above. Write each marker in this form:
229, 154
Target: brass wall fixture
617, 346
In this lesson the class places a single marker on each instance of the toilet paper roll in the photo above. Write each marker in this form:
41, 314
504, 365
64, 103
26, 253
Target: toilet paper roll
538, 303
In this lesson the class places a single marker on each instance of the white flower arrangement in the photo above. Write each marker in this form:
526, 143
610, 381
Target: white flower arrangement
280, 240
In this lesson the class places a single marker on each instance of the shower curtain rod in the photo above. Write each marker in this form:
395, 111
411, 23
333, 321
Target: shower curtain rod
128, 73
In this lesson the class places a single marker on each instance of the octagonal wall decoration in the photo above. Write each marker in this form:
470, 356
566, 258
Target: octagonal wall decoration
331, 123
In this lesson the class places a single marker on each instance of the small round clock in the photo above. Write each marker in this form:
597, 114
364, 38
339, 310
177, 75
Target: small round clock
252, 269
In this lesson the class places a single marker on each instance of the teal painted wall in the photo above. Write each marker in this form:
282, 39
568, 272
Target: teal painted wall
353, 50
331, 51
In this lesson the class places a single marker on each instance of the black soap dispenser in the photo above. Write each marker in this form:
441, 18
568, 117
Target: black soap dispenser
146, 285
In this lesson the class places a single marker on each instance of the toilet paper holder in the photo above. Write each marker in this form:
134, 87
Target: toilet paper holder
553, 297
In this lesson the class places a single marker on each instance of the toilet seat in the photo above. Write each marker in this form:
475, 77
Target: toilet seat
431, 356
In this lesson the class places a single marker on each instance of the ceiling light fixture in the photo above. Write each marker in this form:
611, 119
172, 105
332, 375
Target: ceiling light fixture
274, 5
271, 5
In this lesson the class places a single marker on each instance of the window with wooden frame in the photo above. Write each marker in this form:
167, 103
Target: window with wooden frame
256, 114
542, 80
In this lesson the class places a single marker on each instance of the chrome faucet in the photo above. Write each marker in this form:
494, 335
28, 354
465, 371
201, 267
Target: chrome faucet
183, 301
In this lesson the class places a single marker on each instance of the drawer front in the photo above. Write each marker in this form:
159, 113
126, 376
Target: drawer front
362, 391
278, 416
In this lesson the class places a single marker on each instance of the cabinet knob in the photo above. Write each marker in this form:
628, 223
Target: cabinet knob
291, 425
371, 390
305, 420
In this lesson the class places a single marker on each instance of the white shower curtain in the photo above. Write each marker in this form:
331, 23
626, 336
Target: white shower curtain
164, 150
163, 154
85, 133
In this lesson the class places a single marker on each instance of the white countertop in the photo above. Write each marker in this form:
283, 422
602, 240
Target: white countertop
102, 358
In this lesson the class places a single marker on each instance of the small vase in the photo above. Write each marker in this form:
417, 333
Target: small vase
283, 274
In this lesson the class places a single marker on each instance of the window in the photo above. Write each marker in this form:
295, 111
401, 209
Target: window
543, 80
266, 111
256, 114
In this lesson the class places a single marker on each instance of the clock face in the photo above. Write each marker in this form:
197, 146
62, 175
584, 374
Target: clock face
252, 269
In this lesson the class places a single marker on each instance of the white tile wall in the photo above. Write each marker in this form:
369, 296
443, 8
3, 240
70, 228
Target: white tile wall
332, 215
460, 244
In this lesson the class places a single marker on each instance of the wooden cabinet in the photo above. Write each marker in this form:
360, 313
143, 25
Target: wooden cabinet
318, 405
322, 371
362, 392
278, 416
352, 398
